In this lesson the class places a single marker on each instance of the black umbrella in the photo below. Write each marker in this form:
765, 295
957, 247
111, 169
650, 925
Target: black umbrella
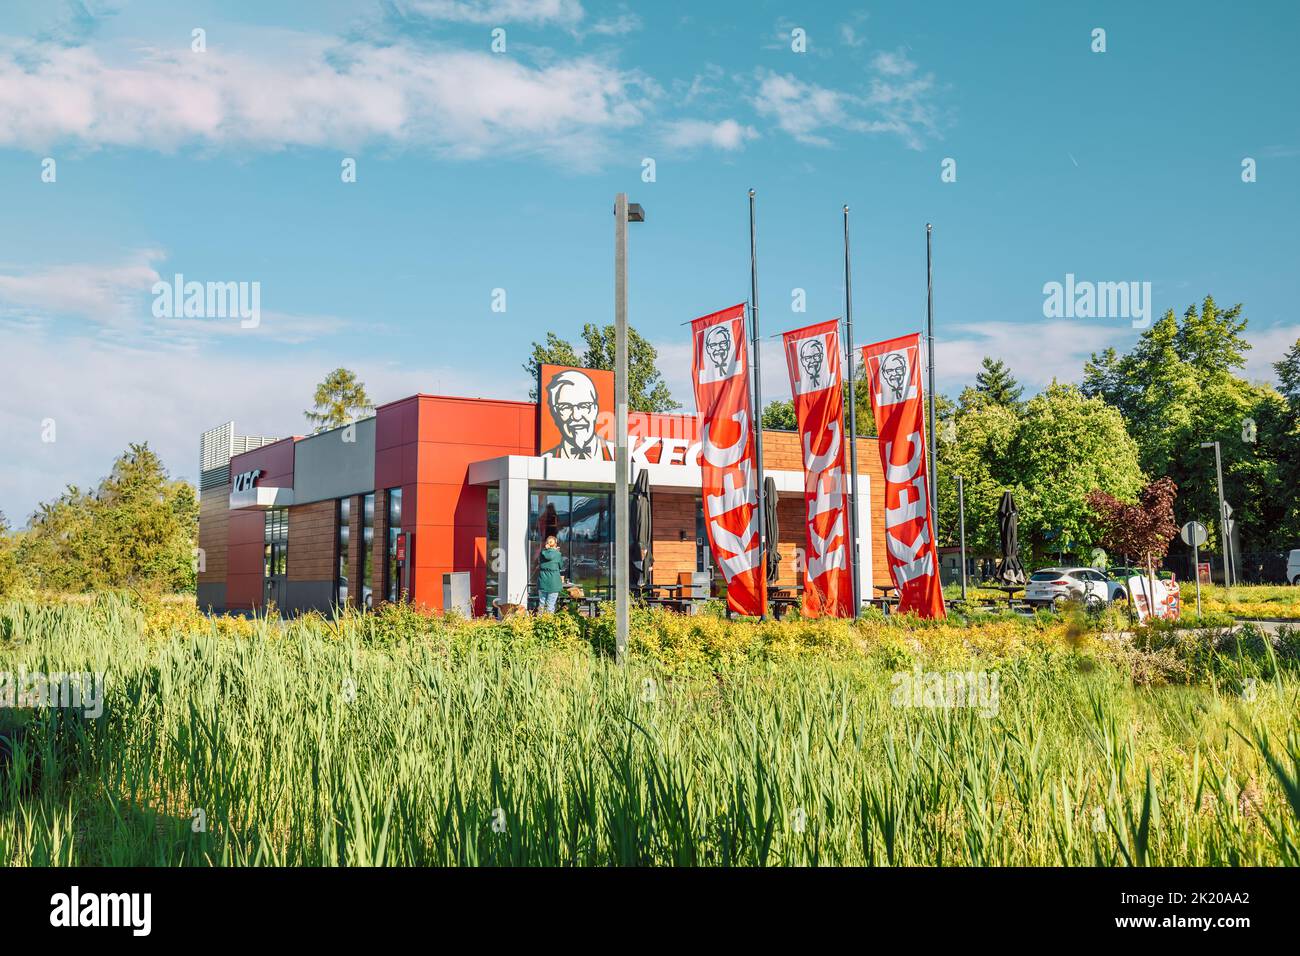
1010, 572
771, 530
642, 558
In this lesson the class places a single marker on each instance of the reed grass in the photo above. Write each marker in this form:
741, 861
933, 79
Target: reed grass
320, 743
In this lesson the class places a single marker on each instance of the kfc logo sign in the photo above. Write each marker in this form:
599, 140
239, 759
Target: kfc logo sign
894, 379
719, 356
814, 369
245, 480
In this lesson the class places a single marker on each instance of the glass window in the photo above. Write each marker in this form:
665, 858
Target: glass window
275, 559
367, 548
582, 523
494, 554
393, 575
343, 518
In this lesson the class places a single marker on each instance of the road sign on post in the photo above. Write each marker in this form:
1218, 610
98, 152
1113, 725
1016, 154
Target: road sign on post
1194, 533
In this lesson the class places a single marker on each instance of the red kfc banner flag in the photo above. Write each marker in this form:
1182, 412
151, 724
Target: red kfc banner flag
813, 357
720, 373
894, 375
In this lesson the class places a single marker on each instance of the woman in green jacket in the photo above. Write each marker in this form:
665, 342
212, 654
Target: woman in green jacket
549, 567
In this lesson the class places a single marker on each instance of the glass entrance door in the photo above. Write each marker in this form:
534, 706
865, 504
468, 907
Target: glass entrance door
582, 522
275, 561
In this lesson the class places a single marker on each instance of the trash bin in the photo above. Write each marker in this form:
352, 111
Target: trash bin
456, 594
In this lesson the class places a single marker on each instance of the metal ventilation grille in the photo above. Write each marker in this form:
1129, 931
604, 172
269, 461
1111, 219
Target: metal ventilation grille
217, 446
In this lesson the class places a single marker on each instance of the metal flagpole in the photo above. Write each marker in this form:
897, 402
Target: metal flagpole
929, 358
853, 421
961, 521
621, 544
758, 394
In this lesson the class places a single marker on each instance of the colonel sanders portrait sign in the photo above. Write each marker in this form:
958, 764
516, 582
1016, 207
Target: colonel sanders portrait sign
576, 414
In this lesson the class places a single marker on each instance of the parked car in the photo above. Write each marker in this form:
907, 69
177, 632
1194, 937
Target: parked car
1293, 567
1053, 586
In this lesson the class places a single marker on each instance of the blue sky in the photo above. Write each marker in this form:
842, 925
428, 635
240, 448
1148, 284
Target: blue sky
479, 170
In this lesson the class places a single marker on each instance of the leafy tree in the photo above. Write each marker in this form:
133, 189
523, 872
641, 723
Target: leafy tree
1178, 387
995, 382
780, 414
646, 392
137, 530
340, 400
978, 448
1049, 453
10, 574
1142, 530
1067, 445
1282, 438
1288, 375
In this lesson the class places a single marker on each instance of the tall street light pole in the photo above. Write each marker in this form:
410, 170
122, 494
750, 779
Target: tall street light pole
1223, 514
929, 357
623, 214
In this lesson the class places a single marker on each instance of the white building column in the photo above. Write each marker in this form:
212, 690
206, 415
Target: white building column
863, 564
512, 569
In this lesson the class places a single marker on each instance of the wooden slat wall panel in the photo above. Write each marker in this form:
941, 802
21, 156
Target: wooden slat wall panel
312, 536
214, 512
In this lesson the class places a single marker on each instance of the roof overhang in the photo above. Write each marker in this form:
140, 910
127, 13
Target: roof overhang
260, 498
568, 471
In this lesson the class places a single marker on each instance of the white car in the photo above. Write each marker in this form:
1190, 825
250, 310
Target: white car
1053, 586
1293, 566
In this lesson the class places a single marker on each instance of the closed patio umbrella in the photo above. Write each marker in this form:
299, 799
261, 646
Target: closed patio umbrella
1010, 572
642, 557
771, 530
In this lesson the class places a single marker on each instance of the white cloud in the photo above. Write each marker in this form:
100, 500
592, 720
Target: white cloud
315, 94
849, 35
1036, 352
1040, 351
619, 25
801, 108
117, 297
494, 12
727, 134
1268, 345
893, 64
898, 100
98, 293
102, 398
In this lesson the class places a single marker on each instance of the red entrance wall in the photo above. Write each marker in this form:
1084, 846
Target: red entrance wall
425, 444
246, 531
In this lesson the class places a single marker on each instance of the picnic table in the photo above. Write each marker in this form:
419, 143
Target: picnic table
782, 599
886, 598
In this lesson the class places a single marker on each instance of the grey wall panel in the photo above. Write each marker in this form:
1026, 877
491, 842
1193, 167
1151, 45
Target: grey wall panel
303, 596
327, 466
211, 595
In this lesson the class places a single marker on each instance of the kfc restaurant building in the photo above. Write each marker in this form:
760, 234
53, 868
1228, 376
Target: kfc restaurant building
433, 485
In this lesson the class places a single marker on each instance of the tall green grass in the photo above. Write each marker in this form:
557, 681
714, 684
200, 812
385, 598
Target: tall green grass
311, 743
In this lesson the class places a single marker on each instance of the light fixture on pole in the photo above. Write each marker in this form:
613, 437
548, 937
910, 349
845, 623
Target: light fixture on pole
1225, 514
624, 212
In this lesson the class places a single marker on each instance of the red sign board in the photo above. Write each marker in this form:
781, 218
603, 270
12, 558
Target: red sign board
401, 548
